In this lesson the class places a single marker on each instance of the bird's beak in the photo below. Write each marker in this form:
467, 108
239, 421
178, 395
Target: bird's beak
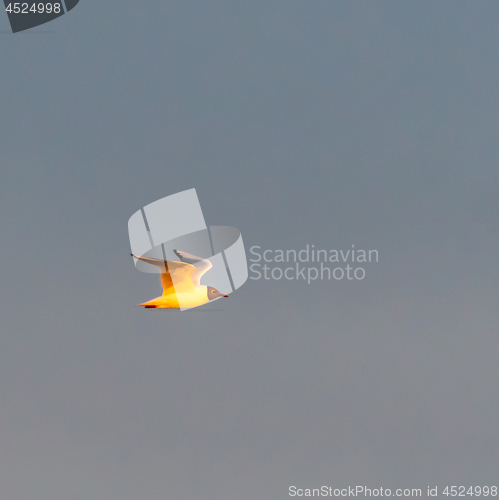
225, 295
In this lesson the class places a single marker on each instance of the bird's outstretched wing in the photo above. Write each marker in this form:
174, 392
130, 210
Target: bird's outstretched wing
202, 265
175, 276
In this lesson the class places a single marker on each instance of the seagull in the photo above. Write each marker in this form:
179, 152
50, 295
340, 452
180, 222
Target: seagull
187, 291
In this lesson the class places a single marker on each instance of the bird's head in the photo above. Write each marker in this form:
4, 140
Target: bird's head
213, 293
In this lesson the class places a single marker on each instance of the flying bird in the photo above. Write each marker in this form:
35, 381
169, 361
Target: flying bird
180, 282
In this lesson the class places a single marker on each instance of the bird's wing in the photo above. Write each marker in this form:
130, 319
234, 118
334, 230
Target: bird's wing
187, 257
202, 265
175, 276
155, 262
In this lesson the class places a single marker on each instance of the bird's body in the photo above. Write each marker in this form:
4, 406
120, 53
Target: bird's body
180, 281
197, 297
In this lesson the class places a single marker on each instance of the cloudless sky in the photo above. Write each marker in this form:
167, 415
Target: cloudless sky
329, 123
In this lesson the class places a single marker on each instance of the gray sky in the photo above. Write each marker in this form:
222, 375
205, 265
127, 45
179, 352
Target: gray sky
330, 123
